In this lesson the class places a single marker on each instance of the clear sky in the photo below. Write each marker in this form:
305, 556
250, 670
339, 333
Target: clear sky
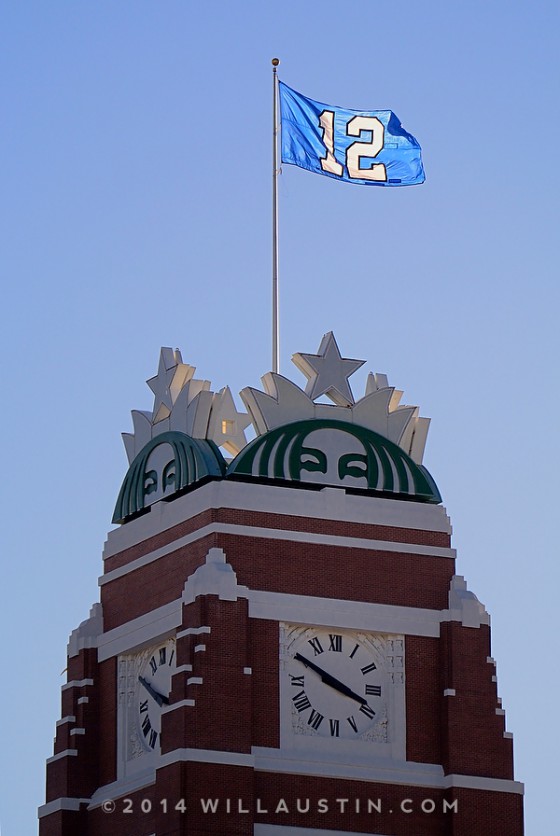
135, 212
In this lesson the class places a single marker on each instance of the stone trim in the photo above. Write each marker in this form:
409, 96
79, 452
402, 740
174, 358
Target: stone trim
69, 719
123, 786
277, 534
405, 773
207, 756
181, 704
76, 683
72, 753
475, 782
61, 804
138, 631
87, 634
328, 503
192, 631
284, 830
278, 606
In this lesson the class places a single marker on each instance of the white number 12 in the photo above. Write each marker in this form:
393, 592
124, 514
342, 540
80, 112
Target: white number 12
357, 150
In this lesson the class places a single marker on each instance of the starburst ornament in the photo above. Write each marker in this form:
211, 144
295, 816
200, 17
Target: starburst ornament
184, 404
167, 384
327, 372
187, 405
227, 425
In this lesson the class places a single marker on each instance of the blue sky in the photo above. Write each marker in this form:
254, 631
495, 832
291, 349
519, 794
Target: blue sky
135, 213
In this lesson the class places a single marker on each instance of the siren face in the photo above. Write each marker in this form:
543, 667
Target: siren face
345, 461
335, 452
160, 474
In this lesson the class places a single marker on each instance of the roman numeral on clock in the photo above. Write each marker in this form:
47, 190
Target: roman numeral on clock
297, 681
356, 648
335, 642
153, 665
143, 706
353, 723
153, 738
315, 719
369, 712
373, 690
301, 701
368, 668
316, 645
334, 726
162, 655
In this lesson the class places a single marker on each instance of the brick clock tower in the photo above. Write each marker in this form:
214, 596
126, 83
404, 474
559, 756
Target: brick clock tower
282, 644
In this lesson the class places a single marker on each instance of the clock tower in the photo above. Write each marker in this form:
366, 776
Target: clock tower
282, 644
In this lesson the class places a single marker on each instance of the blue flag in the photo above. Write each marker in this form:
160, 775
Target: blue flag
357, 146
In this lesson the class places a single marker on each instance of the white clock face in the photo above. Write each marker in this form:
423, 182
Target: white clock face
336, 682
153, 688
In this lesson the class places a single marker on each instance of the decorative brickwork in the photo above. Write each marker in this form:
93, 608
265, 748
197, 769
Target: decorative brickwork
225, 761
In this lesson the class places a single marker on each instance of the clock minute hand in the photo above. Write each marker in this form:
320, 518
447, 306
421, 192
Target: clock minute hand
329, 679
159, 698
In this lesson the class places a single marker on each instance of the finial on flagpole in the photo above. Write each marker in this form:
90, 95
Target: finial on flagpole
275, 62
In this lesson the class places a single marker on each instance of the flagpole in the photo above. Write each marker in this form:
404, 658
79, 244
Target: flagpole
275, 340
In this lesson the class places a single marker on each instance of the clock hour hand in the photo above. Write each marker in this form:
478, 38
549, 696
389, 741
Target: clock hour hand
159, 698
331, 680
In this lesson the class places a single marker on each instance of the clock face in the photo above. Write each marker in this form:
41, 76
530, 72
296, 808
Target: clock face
155, 670
337, 684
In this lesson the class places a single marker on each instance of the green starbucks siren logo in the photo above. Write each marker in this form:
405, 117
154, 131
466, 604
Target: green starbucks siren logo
335, 453
167, 464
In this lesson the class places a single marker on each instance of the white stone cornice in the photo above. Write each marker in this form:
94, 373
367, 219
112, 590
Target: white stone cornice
63, 720
377, 770
68, 753
207, 756
122, 787
281, 535
76, 683
140, 631
214, 577
87, 634
285, 830
464, 606
61, 804
326, 504
275, 606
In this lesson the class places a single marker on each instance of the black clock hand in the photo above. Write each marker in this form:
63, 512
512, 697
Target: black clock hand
159, 698
328, 679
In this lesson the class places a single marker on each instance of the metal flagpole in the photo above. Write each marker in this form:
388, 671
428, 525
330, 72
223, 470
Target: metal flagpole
275, 341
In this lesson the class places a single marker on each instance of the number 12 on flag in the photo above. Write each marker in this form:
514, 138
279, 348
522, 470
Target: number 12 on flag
365, 147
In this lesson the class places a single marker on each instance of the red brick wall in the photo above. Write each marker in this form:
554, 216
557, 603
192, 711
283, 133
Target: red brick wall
424, 695
339, 572
474, 742
159, 540
107, 722
241, 796
264, 658
487, 813
283, 522
284, 566
152, 586
221, 718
